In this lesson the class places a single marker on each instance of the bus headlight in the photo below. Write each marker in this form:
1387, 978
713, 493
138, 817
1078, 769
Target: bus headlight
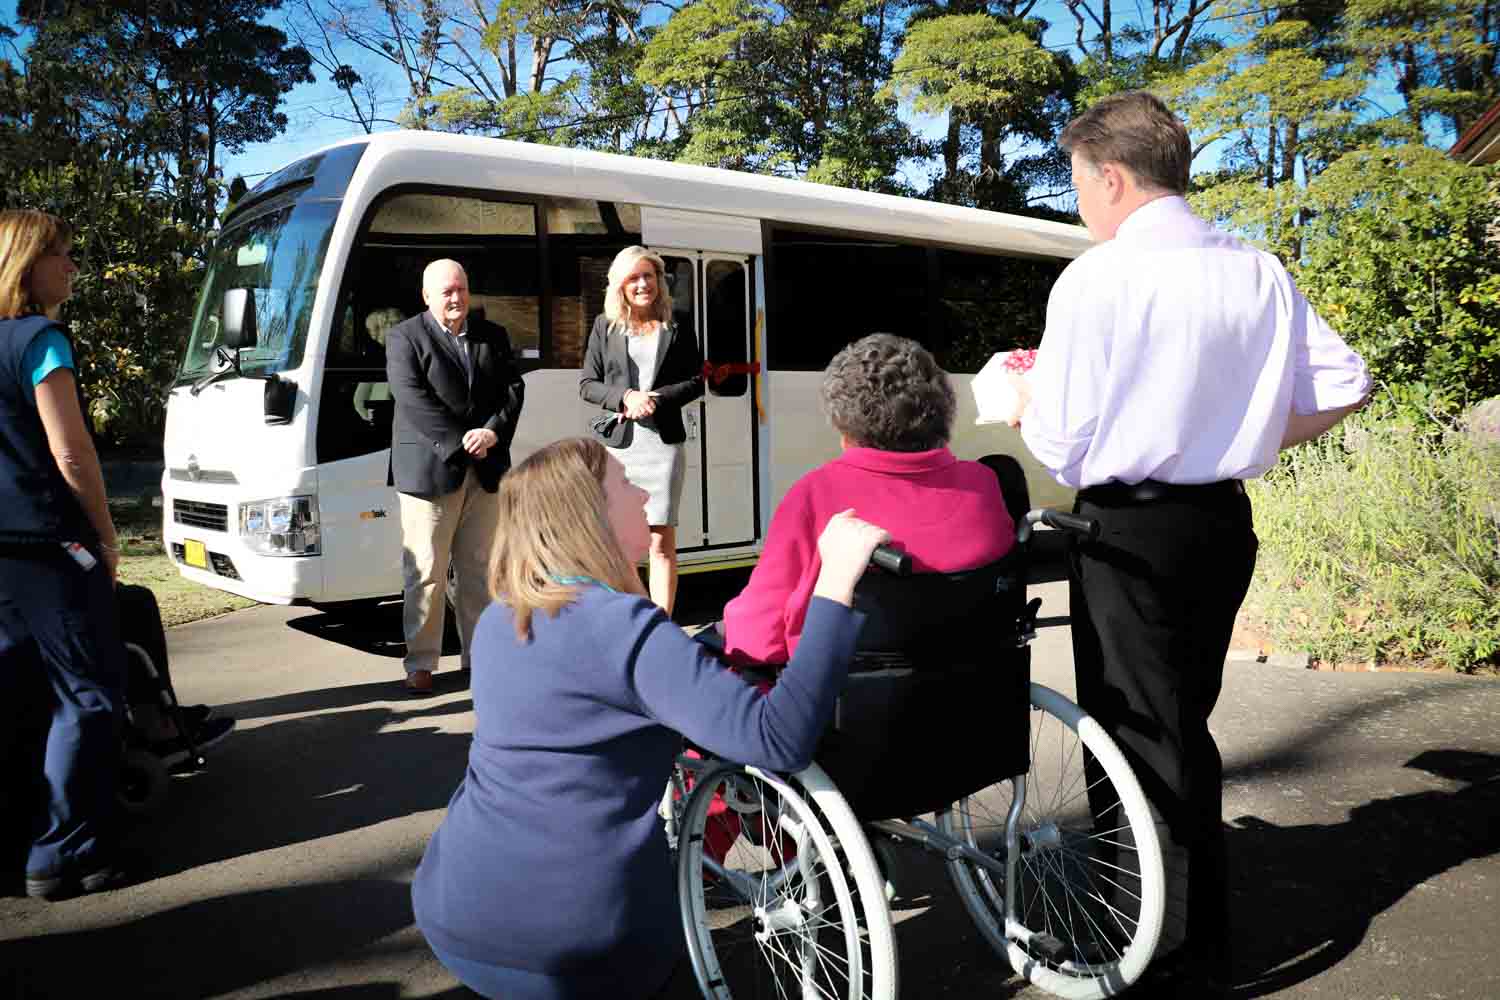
282, 526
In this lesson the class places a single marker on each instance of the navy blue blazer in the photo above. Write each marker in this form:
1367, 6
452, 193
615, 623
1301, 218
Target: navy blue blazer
437, 402
606, 376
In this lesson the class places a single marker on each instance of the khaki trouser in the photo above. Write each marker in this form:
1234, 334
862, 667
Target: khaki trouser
458, 527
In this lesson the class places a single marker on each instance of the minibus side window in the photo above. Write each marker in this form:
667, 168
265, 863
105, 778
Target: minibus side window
496, 243
829, 291
724, 304
583, 237
989, 303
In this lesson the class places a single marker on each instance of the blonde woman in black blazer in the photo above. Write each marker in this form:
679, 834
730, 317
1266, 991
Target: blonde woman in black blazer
641, 370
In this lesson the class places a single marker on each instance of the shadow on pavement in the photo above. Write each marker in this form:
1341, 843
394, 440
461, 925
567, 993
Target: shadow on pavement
347, 696
370, 629
378, 991
1308, 894
297, 780
213, 946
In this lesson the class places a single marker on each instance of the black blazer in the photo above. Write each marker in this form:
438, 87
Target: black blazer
435, 404
606, 376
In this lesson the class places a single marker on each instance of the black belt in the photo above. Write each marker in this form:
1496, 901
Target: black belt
1150, 491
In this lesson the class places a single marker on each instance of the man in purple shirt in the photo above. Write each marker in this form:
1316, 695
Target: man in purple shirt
1177, 362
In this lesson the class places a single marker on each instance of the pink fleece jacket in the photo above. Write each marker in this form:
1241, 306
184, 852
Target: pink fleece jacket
947, 514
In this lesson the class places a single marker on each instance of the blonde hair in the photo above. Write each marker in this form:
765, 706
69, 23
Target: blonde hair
26, 236
554, 525
616, 309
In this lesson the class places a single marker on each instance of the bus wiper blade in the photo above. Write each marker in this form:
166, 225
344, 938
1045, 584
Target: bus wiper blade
231, 367
210, 379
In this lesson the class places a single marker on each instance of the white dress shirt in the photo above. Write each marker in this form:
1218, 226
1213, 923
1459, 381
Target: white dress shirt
1175, 352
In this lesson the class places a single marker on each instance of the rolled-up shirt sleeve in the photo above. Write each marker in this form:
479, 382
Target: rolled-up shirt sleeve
1059, 422
1326, 373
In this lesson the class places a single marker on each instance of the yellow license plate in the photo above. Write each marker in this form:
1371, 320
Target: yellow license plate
195, 554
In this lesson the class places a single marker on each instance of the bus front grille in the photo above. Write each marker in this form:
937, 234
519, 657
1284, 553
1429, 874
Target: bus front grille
195, 514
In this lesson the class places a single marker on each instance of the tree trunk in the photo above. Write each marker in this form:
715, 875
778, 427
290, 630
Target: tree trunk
950, 148
1289, 152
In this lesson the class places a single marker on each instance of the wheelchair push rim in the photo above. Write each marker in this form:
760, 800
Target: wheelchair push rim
788, 902
1074, 905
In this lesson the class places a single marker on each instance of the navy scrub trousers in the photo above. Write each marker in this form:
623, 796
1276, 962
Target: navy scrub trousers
61, 656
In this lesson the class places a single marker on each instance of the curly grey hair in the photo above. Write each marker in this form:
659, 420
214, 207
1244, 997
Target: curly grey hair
887, 392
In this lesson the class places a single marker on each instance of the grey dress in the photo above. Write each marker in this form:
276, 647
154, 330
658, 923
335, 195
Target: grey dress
650, 463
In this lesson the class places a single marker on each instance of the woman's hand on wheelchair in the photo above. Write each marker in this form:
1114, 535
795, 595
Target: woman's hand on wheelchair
844, 548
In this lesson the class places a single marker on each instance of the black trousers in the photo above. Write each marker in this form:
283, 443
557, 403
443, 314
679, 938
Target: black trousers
1153, 604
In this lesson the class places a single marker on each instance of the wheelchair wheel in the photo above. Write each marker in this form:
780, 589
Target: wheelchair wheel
144, 782
780, 893
1084, 909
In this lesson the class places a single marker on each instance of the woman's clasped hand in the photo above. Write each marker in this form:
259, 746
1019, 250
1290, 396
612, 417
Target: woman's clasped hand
638, 404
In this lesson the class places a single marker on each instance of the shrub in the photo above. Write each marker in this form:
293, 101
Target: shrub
1381, 542
1398, 257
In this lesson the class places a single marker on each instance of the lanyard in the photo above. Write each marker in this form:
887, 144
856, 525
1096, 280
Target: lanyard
570, 580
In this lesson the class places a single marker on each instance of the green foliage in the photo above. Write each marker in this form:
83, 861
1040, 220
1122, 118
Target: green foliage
1381, 542
972, 63
134, 294
1398, 258
791, 88
112, 122
1441, 53
544, 116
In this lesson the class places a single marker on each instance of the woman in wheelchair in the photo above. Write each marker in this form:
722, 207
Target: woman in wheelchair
893, 409
549, 877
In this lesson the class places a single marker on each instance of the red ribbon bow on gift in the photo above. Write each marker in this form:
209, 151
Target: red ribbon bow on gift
717, 373
1019, 360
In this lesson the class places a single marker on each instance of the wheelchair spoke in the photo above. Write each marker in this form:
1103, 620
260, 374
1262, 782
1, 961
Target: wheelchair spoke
797, 931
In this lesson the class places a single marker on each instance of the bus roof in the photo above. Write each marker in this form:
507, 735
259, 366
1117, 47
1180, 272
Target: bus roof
560, 171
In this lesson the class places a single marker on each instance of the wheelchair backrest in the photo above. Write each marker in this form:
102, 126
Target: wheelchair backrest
942, 613
949, 613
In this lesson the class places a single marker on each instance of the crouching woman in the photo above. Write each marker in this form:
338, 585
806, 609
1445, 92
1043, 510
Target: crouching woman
550, 875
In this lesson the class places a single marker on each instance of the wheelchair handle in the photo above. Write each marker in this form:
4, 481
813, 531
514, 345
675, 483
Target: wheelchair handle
1088, 527
891, 560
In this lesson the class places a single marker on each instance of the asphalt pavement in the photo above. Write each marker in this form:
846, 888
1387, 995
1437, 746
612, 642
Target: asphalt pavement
1364, 815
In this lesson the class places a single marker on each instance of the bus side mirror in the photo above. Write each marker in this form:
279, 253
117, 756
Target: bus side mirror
279, 399
237, 319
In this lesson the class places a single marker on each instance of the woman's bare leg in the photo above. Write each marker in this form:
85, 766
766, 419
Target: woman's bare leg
663, 563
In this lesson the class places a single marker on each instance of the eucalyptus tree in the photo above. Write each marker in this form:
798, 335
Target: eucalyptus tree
791, 88
1005, 97
177, 81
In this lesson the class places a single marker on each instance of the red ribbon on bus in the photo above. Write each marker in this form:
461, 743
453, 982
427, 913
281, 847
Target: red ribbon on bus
715, 374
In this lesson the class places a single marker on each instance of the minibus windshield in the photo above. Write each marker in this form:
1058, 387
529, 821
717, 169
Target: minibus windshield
277, 252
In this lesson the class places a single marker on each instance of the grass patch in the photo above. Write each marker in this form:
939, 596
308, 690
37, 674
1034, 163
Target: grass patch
143, 561
1380, 543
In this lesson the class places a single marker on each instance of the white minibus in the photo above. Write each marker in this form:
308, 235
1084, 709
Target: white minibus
276, 451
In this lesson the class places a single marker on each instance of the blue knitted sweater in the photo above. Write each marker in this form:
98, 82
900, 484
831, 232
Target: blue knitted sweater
552, 857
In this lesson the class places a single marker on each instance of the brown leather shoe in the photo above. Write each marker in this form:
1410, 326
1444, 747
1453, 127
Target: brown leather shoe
419, 682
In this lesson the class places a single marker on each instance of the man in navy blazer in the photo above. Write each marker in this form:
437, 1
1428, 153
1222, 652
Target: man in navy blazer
458, 394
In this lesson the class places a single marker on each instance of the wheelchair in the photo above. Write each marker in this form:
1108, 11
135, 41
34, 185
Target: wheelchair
1045, 832
145, 776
